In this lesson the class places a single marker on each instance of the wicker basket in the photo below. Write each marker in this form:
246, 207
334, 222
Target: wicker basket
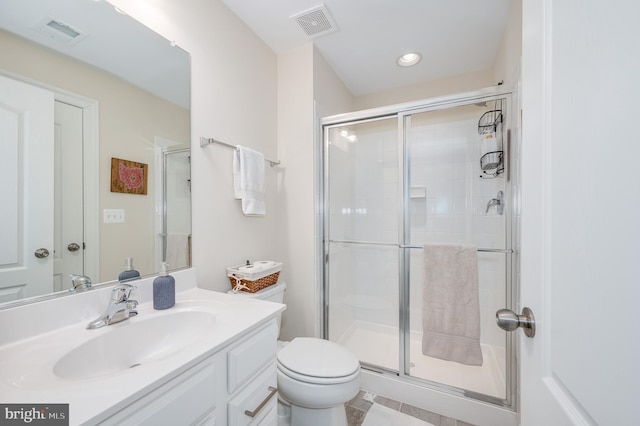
253, 286
255, 277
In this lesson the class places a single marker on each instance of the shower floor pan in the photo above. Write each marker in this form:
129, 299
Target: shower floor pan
378, 345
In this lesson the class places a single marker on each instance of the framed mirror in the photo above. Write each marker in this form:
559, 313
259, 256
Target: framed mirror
95, 130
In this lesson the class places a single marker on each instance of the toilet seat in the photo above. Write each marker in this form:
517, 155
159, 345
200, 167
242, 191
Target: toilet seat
317, 361
317, 380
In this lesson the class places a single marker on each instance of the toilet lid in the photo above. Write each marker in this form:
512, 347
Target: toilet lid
318, 358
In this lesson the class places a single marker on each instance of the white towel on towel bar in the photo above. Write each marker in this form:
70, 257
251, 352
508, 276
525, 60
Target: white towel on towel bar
451, 308
248, 180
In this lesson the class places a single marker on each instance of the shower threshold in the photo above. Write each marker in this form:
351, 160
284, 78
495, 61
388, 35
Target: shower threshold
378, 345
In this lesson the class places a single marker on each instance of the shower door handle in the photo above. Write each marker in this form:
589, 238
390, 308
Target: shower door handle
509, 321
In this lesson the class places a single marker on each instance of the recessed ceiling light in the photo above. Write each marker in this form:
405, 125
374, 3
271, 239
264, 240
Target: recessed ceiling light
409, 59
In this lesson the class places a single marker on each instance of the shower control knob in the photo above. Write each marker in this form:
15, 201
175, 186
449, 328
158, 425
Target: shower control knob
510, 321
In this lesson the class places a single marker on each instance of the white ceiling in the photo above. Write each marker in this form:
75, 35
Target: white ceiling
115, 43
454, 36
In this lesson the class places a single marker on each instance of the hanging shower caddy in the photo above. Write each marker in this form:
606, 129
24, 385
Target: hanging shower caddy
490, 130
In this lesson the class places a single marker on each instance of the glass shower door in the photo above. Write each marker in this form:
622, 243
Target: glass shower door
362, 184
393, 186
454, 204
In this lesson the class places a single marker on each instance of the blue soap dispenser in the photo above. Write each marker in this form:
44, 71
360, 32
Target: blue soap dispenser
129, 273
164, 289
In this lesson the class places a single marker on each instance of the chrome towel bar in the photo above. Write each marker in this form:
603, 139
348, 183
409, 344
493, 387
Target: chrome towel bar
484, 250
208, 141
406, 246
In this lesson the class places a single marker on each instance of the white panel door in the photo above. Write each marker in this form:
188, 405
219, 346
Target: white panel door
581, 212
69, 211
26, 192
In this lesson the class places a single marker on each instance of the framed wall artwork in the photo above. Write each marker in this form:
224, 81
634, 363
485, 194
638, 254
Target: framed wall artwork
128, 177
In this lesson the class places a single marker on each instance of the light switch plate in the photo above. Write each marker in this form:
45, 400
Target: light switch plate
113, 216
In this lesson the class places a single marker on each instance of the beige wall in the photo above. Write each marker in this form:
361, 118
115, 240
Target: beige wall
129, 120
506, 66
295, 189
331, 95
428, 89
305, 82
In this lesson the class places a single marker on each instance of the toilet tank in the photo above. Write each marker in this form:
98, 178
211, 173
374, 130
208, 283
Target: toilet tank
273, 293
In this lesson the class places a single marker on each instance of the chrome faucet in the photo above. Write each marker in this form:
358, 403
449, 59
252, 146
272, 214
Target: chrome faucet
120, 307
80, 283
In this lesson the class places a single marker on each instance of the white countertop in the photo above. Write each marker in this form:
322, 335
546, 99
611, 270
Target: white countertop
26, 370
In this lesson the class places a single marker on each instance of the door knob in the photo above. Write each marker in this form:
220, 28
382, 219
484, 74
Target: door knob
509, 321
73, 247
41, 253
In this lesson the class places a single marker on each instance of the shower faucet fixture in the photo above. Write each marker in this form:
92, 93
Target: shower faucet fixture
498, 202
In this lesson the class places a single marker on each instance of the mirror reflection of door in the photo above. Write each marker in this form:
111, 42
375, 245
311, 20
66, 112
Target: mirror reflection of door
68, 229
26, 173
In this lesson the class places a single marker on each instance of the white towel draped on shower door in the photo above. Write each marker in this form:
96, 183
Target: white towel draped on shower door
248, 180
178, 254
451, 309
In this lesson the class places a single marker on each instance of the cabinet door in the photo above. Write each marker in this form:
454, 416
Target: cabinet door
257, 403
188, 399
248, 357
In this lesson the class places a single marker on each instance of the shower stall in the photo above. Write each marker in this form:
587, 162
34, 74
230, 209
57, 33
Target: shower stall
440, 171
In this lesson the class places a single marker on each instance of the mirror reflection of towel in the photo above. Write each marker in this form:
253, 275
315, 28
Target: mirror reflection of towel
178, 253
451, 308
248, 180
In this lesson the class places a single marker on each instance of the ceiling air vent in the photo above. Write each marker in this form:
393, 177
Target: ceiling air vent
60, 31
316, 22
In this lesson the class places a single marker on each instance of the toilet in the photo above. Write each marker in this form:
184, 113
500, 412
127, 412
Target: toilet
316, 377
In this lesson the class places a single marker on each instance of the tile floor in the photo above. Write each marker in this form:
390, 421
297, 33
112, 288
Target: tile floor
357, 410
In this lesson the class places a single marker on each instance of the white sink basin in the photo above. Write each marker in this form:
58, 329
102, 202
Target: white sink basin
134, 342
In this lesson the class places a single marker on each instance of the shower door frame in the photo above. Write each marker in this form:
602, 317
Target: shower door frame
164, 206
401, 112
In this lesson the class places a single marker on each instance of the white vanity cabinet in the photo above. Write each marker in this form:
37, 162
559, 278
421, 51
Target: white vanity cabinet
235, 386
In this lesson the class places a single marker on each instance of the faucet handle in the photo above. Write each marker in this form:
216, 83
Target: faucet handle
131, 306
79, 282
121, 292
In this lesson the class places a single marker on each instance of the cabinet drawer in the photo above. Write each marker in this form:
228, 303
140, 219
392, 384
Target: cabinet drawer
250, 355
258, 397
